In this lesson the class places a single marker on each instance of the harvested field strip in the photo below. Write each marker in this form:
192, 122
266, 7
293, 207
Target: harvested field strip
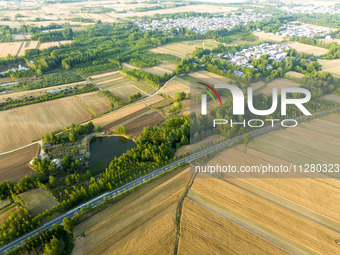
210, 77
249, 224
13, 166
309, 49
145, 87
316, 194
287, 204
126, 91
116, 83
95, 101
104, 75
206, 232
323, 126
106, 81
22, 125
297, 150
128, 117
334, 117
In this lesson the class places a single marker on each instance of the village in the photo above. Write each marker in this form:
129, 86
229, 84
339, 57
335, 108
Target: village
203, 24
303, 30
243, 58
311, 9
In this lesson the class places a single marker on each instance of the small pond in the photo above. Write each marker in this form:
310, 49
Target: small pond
104, 149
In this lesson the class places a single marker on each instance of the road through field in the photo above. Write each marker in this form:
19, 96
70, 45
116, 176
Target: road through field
151, 176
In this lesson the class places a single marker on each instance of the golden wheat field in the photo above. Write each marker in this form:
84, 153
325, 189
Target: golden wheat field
142, 223
175, 85
161, 69
309, 49
296, 215
268, 36
332, 66
22, 125
206, 232
210, 78
95, 101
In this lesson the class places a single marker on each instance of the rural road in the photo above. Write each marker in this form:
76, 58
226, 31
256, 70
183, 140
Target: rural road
149, 176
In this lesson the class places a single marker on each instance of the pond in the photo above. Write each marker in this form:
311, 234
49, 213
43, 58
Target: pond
104, 149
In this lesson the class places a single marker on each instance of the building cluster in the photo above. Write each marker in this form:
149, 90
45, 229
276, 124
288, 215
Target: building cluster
302, 30
311, 9
244, 57
203, 24
20, 68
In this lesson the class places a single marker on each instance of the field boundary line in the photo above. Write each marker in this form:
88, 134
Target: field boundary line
23, 147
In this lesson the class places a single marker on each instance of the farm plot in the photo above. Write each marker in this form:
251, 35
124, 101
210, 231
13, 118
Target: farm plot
150, 118
6, 212
161, 69
206, 232
309, 49
331, 66
295, 74
138, 217
27, 46
279, 83
105, 76
179, 49
257, 85
288, 229
14, 165
112, 120
175, 85
114, 83
22, 125
38, 201
210, 77
124, 92
300, 145
11, 48
332, 97
96, 102
268, 36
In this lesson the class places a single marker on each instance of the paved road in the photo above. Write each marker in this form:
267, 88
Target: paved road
147, 177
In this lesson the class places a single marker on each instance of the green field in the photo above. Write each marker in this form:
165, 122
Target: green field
4, 203
38, 201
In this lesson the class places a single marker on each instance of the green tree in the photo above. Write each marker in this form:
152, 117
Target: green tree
53, 247
245, 140
68, 225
